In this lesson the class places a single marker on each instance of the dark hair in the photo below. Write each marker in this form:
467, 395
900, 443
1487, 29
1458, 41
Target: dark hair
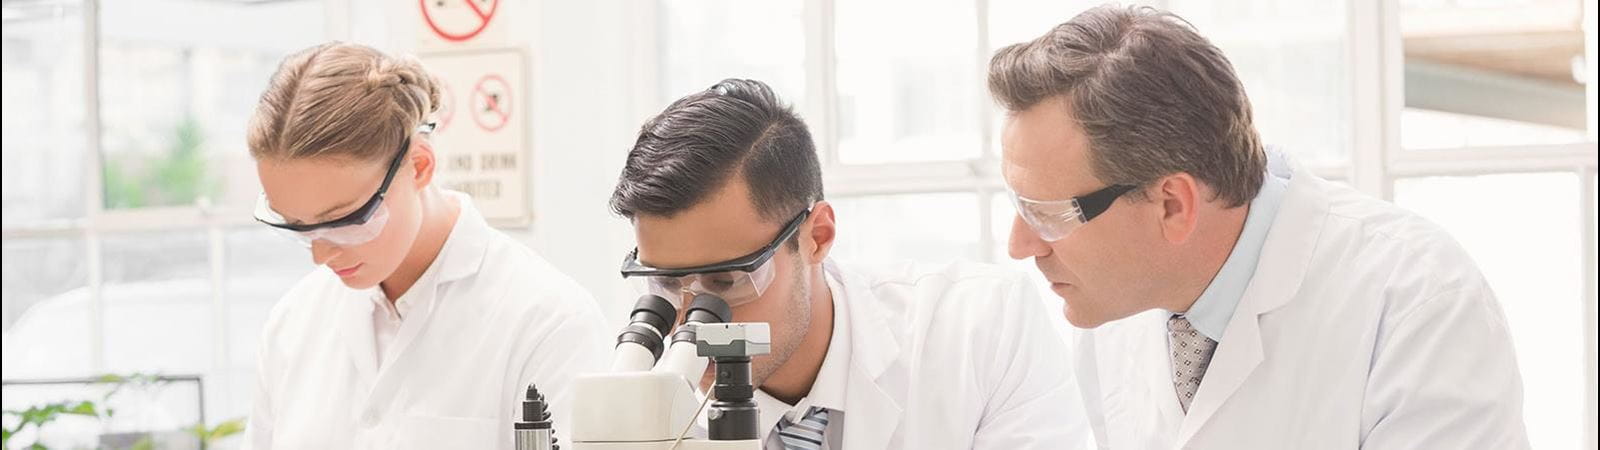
1153, 97
699, 142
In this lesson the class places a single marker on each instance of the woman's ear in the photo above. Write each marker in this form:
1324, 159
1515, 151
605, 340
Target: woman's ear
423, 160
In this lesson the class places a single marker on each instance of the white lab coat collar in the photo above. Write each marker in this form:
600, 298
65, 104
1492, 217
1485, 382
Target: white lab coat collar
1211, 312
461, 256
1215, 307
874, 350
829, 389
1285, 258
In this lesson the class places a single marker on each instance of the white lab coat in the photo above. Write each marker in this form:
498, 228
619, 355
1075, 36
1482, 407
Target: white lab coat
489, 317
959, 356
1363, 327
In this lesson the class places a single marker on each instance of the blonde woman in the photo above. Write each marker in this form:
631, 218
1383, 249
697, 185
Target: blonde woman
423, 325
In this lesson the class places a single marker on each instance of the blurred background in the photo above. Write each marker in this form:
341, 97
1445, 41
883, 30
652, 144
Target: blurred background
134, 274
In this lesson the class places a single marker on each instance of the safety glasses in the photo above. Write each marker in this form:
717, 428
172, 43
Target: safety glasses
1053, 220
359, 227
737, 281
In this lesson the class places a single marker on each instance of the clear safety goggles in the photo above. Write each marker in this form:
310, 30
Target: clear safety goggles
359, 227
364, 226
1053, 220
738, 281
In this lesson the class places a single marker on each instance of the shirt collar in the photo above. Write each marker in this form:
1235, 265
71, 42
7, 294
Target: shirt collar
464, 250
460, 257
1212, 311
828, 390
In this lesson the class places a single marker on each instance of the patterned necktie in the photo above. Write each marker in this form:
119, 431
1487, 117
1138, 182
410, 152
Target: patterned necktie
806, 434
1191, 353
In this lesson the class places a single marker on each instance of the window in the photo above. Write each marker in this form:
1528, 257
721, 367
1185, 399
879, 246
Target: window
910, 92
43, 94
932, 227
46, 282
129, 245
1492, 74
703, 42
175, 97
1426, 129
157, 293
1300, 104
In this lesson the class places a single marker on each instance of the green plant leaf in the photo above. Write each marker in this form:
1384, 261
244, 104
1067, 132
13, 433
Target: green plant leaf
122, 189
83, 408
225, 429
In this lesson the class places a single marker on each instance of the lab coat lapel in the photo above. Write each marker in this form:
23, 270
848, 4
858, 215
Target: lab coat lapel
1285, 259
422, 295
872, 410
461, 256
356, 315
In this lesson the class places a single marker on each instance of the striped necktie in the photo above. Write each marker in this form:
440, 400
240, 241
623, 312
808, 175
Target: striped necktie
805, 434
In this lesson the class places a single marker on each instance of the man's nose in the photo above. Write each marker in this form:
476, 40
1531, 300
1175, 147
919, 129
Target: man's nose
1024, 243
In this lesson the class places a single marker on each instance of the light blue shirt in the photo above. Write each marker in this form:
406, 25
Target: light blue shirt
1211, 312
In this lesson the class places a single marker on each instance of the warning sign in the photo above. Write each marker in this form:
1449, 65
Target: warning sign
458, 20
491, 103
485, 156
465, 24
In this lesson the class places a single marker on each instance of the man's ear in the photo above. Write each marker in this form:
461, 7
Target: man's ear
1179, 198
818, 233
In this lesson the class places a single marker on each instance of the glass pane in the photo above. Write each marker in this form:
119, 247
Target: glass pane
158, 296
178, 82
43, 156
260, 267
703, 42
909, 90
1292, 58
1492, 73
939, 227
1430, 129
1535, 271
46, 308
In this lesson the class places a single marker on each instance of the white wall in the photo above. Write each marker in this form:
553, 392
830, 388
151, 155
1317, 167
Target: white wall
585, 123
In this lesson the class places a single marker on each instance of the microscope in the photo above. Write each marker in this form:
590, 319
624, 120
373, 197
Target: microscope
648, 401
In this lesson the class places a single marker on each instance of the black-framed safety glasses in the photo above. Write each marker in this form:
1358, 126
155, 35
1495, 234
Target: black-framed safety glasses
738, 281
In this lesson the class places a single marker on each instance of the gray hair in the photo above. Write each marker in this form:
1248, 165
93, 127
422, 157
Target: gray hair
1153, 97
